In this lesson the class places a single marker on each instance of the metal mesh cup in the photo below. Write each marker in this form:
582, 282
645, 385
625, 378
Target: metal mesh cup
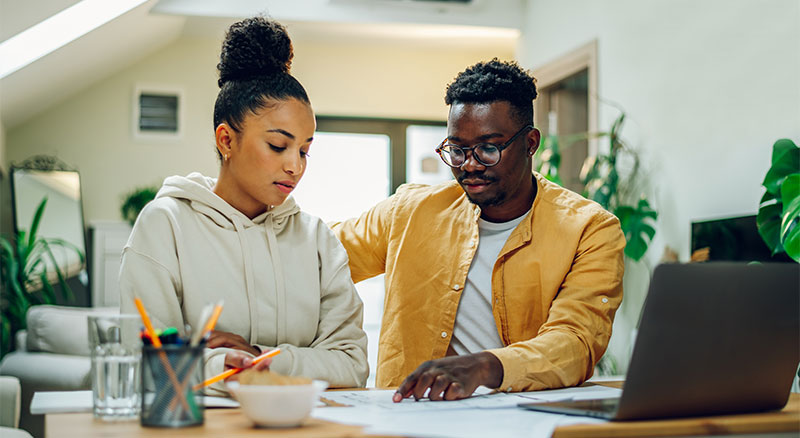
168, 377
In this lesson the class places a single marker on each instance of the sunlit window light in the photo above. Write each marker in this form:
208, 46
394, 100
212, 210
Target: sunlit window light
59, 30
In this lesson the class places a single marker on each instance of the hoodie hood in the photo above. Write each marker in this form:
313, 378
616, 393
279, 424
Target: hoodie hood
199, 191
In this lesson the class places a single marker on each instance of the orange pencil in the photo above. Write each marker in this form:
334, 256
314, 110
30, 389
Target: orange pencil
161, 355
213, 320
147, 324
233, 371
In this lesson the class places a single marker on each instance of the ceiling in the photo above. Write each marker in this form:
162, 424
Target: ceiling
147, 28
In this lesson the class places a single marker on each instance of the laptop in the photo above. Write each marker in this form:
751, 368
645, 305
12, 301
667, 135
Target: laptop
714, 338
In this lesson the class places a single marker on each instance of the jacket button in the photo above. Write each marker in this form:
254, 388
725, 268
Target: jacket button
444, 334
604, 300
456, 286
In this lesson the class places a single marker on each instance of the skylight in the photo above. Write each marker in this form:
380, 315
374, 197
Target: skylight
58, 31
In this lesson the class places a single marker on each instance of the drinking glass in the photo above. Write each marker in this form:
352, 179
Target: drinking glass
116, 366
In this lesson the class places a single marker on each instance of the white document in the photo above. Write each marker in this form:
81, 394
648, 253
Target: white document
485, 414
483, 398
382, 399
59, 402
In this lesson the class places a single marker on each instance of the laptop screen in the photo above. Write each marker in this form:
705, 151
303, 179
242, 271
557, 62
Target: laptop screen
733, 239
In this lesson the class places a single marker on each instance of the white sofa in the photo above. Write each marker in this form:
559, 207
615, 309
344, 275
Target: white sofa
51, 355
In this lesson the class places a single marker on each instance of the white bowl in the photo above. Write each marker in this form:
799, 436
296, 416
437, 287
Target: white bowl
277, 405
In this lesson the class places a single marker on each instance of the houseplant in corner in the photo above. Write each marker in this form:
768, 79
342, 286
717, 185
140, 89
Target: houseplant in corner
134, 201
778, 217
28, 265
615, 190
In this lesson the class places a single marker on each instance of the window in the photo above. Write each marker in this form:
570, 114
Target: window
355, 163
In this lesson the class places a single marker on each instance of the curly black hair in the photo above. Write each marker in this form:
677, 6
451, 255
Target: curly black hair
493, 81
254, 70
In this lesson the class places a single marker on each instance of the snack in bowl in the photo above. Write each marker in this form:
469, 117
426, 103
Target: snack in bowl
274, 400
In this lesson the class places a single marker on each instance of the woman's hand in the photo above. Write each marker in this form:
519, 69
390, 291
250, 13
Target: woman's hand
231, 340
236, 359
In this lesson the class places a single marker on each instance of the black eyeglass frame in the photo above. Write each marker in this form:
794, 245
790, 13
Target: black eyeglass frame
499, 147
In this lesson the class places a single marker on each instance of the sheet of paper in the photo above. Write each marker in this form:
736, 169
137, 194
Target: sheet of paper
467, 422
476, 416
56, 402
483, 398
382, 399
52, 402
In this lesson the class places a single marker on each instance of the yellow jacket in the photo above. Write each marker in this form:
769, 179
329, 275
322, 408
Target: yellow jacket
556, 284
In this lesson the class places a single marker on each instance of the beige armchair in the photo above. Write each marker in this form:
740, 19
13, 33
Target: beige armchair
52, 355
10, 408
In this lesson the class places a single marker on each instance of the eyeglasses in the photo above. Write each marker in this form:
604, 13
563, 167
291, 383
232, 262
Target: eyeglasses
488, 154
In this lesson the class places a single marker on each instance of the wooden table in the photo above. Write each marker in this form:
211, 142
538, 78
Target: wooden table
232, 423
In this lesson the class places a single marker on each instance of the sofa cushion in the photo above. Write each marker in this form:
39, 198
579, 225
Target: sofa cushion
47, 371
60, 329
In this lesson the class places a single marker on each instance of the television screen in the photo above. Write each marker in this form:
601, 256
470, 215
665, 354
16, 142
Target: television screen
733, 239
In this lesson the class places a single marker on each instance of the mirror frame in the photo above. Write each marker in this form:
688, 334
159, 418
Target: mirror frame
48, 163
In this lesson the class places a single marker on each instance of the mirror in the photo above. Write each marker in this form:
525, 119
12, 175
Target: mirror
43, 177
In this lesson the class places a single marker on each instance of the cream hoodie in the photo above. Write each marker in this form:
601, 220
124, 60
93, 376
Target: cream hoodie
283, 275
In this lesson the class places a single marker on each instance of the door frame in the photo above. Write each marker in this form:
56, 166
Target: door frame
582, 58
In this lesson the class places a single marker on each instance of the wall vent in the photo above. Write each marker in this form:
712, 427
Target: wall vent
157, 112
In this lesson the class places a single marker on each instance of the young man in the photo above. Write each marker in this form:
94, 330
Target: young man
500, 278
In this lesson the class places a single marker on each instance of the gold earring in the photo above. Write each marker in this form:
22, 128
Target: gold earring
227, 157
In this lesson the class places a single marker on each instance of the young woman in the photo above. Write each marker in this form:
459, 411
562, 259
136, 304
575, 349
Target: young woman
281, 272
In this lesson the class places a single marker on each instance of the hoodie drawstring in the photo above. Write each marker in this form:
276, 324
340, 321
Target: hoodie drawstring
248, 278
280, 284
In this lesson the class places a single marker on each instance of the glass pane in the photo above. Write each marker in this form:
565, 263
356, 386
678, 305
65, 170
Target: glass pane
347, 174
423, 165
62, 217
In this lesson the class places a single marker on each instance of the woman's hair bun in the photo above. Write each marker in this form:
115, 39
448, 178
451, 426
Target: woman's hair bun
254, 47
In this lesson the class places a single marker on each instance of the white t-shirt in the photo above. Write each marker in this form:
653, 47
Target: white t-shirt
475, 329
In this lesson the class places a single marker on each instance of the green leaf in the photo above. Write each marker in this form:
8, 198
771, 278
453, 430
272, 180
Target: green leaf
11, 266
634, 222
47, 290
767, 198
768, 221
66, 244
37, 217
790, 220
785, 161
66, 292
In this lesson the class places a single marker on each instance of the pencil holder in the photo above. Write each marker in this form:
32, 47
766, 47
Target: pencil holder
168, 377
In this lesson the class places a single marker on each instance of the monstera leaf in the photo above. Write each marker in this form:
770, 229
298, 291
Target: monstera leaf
636, 224
779, 209
604, 183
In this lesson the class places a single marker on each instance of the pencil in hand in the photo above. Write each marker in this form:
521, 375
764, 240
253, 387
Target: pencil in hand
232, 371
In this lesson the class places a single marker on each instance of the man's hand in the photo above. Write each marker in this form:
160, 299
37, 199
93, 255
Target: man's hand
235, 359
452, 378
231, 340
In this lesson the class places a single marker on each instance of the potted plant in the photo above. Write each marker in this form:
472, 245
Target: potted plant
607, 183
28, 265
778, 217
134, 201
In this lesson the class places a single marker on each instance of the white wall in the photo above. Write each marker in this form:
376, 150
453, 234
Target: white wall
93, 129
707, 87
5, 186
3, 169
